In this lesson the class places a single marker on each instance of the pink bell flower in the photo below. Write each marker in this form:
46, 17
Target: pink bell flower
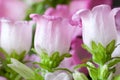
98, 25
15, 36
52, 34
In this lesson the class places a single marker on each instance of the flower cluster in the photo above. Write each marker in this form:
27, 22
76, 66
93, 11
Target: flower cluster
59, 42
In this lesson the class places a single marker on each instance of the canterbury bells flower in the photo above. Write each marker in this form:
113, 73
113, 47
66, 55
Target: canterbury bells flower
98, 25
15, 36
53, 34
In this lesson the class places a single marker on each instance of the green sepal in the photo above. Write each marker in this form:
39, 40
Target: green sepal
100, 54
17, 56
80, 66
87, 48
51, 62
113, 61
45, 67
110, 47
13, 54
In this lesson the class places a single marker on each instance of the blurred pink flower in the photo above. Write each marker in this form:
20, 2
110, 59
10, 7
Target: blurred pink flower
59, 11
30, 59
79, 55
78, 4
2, 78
52, 34
86, 4
15, 35
97, 22
94, 3
12, 9
67, 63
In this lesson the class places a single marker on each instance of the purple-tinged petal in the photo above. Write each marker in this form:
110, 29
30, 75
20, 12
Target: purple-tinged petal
97, 22
16, 36
51, 34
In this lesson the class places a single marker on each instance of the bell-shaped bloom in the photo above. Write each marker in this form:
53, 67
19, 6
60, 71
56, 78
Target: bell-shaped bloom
53, 34
98, 25
15, 36
12, 9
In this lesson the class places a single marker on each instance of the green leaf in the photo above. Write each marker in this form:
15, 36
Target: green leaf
22, 69
113, 61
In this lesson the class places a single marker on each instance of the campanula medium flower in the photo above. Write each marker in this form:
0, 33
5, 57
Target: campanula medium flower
53, 34
15, 35
97, 25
